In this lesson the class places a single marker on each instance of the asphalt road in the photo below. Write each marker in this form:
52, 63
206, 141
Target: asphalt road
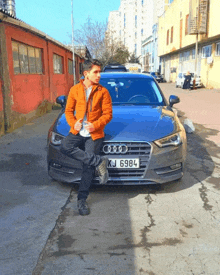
131, 230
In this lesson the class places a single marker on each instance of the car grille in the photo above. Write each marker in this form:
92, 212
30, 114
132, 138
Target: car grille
142, 150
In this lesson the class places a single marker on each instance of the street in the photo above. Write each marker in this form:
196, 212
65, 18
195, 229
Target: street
131, 230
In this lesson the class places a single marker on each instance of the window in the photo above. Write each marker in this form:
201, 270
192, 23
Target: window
17, 69
171, 35
57, 64
26, 59
167, 37
217, 50
135, 46
70, 66
135, 21
187, 25
142, 2
124, 21
181, 57
142, 32
80, 68
193, 54
207, 51
186, 56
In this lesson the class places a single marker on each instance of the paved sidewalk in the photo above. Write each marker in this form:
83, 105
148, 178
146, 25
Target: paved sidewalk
202, 106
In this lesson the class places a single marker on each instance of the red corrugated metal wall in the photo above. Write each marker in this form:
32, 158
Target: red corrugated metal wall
28, 91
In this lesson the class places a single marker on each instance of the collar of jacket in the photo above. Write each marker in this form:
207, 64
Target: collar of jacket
94, 86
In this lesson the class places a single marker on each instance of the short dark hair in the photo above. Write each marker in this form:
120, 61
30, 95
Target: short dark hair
88, 64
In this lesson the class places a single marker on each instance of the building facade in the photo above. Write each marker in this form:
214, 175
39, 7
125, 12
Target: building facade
34, 70
189, 40
130, 24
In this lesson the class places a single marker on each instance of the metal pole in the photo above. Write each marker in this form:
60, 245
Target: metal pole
196, 58
196, 53
74, 75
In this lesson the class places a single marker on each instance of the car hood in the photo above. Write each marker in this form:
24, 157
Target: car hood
136, 123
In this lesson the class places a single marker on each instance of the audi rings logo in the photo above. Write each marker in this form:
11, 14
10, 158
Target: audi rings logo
115, 149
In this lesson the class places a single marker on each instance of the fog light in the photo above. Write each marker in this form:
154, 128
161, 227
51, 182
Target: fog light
176, 166
56, 165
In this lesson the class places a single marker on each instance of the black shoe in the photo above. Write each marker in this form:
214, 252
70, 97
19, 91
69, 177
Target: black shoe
83, 207
102, 171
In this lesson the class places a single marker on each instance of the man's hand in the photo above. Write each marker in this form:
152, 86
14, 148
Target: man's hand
78, 125
89, 127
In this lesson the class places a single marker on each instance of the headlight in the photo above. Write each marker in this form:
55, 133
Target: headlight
55, 138
173, 140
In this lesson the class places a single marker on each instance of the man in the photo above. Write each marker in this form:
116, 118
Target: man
187, 80
88, 110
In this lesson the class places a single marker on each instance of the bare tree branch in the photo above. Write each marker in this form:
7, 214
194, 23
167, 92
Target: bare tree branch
100, 43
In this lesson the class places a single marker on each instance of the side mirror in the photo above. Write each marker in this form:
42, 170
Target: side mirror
61, 100
173, 100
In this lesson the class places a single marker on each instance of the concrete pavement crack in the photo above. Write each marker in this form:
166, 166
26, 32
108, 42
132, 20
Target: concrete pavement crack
44, 255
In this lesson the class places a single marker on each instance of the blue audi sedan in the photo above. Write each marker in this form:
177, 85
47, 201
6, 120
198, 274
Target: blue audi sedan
145, 142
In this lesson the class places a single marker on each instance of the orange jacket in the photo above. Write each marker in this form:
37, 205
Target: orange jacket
98, 108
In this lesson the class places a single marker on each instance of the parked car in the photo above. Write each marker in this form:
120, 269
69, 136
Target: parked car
114, 68
157, 76
180, 80
145, 142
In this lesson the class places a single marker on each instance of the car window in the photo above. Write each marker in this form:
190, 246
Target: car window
135, 91
115, 70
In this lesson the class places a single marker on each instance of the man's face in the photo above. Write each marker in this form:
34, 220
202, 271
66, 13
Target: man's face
94, 74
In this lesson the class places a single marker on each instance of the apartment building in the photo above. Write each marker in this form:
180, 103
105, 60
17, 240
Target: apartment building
150, 60
132, 23
189, 40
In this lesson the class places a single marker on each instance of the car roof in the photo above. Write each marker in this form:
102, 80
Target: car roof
125, 75
114, 66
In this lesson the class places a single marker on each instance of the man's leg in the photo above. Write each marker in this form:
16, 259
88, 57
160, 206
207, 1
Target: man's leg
70, 147
91, 147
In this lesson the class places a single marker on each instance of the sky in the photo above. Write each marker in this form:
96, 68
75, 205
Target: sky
53, 17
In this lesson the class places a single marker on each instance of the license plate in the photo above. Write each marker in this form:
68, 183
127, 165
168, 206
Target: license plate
123, 163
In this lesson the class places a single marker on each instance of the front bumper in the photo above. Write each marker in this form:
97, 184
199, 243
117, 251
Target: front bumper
161, 165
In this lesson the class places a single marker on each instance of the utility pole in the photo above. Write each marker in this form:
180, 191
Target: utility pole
198, 17
5, 80
196, 54
74, 75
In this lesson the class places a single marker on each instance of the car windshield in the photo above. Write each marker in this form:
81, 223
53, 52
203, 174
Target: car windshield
134, 91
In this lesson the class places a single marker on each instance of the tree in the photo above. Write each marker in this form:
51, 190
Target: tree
100, 43
121, 55
134, 59
92, 35
115, 51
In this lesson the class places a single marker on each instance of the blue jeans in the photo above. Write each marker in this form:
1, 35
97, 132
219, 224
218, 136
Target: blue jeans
89, 157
